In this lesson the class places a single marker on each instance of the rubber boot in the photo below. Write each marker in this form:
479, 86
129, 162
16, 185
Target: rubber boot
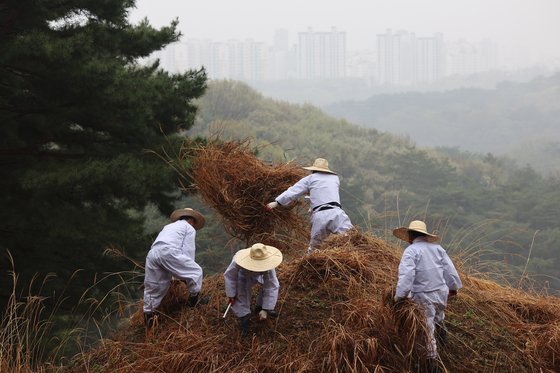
150, 321
244, 325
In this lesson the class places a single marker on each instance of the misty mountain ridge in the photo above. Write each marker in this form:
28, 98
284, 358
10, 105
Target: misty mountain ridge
519, 120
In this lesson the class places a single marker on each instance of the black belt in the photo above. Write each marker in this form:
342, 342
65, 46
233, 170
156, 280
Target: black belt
326, 206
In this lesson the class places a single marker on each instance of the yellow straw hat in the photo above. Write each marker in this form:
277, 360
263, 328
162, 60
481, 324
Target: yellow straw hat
199, 220
415, 226
321, 165
258, 258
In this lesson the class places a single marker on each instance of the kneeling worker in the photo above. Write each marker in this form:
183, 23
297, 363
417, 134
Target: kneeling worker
255, 265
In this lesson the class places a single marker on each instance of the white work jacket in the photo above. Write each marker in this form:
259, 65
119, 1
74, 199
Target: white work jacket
172, 255
322, 188
239, 282
426, 267
178, 235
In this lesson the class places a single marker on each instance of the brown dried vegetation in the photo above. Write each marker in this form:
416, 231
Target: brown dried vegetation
336, 315
237, 185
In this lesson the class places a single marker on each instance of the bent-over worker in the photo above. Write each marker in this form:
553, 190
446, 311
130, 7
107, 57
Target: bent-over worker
322, 185
173, 254
249, 267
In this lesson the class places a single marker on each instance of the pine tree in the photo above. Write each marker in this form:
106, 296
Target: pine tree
78, 116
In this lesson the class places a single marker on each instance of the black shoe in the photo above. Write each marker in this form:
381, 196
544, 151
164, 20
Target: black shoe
244, 325
195, 300
257, 309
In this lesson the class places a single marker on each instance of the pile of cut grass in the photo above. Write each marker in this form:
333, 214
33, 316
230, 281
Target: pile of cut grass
335, 314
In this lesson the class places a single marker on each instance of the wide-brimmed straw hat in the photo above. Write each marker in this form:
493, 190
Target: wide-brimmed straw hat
258, 258
199, 220
415, 226
321, 165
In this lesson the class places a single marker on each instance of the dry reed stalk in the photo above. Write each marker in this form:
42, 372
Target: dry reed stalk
236, 184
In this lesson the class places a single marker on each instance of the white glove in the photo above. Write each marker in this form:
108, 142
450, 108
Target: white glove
272, 205
262, 315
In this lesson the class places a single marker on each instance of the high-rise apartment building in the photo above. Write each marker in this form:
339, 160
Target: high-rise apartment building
388, 59
321, 55
282, 57
465, 57
249, 60
241, 60
404, 59
430, 59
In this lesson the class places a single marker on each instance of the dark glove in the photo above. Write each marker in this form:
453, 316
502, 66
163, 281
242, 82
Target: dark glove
231, 300
452, 293
195, 300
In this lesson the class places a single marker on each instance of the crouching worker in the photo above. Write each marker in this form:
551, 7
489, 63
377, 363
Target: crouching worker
252, 266
172, 254
426, 275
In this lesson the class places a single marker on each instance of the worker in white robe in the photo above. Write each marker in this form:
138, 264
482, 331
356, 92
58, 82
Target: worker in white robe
250, 267
173, 255
322, 185
428, 277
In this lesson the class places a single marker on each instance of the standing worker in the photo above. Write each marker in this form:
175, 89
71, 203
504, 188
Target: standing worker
255, 265
427, 276
322, 185
172, 254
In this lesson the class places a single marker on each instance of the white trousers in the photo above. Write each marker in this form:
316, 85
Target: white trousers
161, 265
326, 222
433, 303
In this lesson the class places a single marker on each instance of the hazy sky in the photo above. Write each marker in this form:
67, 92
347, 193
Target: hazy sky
532, 26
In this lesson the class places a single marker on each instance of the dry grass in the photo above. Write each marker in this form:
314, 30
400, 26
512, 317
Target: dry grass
336, 315
237, 186
26, 330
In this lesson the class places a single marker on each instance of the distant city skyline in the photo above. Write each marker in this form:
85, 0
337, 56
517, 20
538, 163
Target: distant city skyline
527, 31
401, 58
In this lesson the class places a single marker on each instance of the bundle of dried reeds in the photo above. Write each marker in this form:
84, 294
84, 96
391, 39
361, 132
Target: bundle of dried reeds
237, 185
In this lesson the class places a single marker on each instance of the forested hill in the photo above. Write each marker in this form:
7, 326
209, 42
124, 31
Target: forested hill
487, 209
515, 119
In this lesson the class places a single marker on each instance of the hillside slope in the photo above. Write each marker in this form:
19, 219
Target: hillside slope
335, 315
